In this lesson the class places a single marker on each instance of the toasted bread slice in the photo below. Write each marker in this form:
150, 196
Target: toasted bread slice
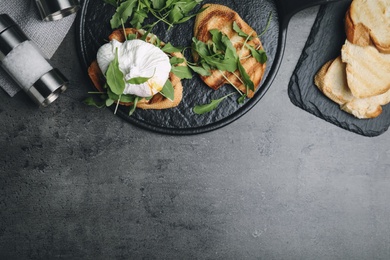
221, 17
368, 70
368, 21
365, 108
331, 79
158, 101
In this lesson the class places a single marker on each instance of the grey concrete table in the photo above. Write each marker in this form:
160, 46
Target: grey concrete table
279, 183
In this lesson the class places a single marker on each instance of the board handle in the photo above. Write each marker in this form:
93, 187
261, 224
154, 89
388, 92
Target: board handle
288, 8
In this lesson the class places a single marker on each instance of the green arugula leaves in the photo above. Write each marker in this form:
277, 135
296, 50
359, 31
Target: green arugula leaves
168, 91
111, 2
171, 12
114, 76
203, 109
220, 54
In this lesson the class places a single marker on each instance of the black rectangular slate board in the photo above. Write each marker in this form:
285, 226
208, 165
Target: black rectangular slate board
324, 43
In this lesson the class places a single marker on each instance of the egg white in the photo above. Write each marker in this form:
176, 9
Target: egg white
137, 58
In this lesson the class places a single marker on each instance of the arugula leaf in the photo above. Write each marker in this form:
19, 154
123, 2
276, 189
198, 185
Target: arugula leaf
230, 51
202, 109
216, 37
222, 64
169, 48
111, 2
168, 91
176, 60
114, 76
223, 44
175, 14
259, 55
138, 80
109, 102
267, 26
183, 72
200, 70
241, 99
186, 18
146, 34
245, 77
127, 98
200, 47
139, 17
240, 32
180, 10
134, 105
131, 36
124, 10
92, 102
158, 4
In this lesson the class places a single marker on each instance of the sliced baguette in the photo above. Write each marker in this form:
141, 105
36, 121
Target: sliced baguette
158, 101
368, 22
221, 17
331, 79
368, 70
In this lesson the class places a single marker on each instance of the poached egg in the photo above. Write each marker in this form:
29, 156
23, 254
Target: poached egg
137, 58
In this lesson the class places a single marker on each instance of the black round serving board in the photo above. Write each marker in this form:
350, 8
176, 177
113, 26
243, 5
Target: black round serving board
324, 43
93, 29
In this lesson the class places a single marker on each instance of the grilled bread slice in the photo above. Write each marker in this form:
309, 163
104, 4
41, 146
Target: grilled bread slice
158, 101
331, 79
368, 70
368, 22
221, 17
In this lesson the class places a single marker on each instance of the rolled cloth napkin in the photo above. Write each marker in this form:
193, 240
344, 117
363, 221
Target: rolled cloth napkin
47, 35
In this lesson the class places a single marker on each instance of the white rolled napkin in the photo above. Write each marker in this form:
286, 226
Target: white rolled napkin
46, 35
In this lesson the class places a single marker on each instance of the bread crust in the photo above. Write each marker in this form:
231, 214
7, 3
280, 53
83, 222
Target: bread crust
356, 33
158, 101
221, 17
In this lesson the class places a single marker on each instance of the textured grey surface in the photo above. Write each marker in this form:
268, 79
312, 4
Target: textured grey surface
79, 183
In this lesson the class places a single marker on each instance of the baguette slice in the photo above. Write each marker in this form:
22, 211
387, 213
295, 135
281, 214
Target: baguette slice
158, 101
368, 22
331, 79
221, 17
368, 70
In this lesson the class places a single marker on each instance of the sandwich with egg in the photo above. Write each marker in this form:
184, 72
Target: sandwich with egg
133, 70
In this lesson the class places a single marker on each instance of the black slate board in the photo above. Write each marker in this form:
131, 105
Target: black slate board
324, 43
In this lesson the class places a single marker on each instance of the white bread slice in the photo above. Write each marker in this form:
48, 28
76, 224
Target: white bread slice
368, 21
331, 79
367, 107
368, 70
